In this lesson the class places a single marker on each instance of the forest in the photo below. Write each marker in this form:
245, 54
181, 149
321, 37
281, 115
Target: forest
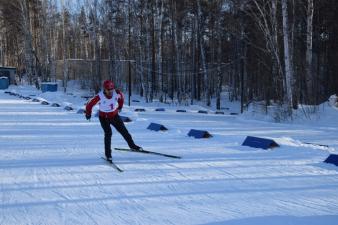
281, 52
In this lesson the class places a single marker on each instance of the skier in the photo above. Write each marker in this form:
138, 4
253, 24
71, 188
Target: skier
111, 102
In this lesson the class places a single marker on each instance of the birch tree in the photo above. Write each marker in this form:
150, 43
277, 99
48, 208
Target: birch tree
308, 67
265, 16
219, 72
203, 58
159, 24
111, 39
51, 20
97, 57
64, 41
28, 43
289, 72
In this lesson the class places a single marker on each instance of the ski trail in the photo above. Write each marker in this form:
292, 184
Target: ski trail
51, 172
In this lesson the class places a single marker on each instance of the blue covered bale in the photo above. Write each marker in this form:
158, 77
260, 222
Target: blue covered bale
160, 110
69, 108
55, 105
332, 159
202, 111
81, 111
199, 133
156, 127
257, 142
45, 103
125, 119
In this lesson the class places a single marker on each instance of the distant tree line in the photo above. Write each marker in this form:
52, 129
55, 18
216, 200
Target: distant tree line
273, 51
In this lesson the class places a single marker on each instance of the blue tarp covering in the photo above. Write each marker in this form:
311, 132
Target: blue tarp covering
156, 127
202, 111
333, 159
68, 108
160, 109
125, 119
81, 111
199, 133
45, 103
257, 142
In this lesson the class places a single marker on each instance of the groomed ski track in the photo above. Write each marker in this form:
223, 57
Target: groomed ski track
51, 171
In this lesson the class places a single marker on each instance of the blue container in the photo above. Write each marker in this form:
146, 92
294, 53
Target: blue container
4, 82
51, 87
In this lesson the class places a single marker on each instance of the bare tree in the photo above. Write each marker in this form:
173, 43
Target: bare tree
289, 72
265, 16
309, 48
96, 77
203, 58
64, 40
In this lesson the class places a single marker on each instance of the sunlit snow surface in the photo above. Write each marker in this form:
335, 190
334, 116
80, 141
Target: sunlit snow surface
51, 171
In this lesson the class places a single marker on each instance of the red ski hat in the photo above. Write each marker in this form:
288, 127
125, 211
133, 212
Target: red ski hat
108, 84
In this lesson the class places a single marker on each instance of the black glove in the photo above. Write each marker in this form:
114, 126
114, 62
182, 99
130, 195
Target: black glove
88, 116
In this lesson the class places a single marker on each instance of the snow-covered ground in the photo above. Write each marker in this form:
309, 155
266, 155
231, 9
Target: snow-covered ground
51, 171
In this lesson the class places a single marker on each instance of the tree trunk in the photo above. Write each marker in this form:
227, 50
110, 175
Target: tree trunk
142, 55
308, 68
277, 75
219, 72
28, 43
98, 78
177, 63
64, 41
203, 59
193, 62
112, 58
159, 41
147, 59
289, 73
173, 52
153, 55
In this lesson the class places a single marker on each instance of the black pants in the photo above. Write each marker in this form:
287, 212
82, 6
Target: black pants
120, 127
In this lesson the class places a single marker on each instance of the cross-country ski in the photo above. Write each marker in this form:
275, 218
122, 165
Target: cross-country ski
147, 152
112, 164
